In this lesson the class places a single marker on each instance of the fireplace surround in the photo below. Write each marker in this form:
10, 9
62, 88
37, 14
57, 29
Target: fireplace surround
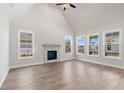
51, 53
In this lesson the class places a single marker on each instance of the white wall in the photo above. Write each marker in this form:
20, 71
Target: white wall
4, 45
100, 60
49, 26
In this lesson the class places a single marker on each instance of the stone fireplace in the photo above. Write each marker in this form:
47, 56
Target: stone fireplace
51, 53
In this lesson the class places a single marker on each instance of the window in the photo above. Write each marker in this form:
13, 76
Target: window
68, 44
93, 43
112, 44
81, 45
25, 44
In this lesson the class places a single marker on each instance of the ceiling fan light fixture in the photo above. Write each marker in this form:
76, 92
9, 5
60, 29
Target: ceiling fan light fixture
66, 5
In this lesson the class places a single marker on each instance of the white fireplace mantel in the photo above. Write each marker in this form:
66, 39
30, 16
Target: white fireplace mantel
51, 45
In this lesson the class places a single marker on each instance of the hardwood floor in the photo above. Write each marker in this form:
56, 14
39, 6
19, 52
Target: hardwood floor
65, 75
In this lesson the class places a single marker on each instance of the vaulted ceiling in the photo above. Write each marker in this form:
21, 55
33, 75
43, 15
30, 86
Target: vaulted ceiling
90, 16
85, 16
15, 11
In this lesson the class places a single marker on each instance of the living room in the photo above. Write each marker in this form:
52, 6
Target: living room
61, 46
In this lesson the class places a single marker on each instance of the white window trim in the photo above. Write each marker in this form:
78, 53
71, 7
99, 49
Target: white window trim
84, 36
71, 45
120, 44
18, 51
88, 44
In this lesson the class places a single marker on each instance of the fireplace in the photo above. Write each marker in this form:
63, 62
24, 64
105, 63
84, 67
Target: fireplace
51, 55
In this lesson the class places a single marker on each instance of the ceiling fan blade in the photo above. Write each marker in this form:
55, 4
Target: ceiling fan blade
60, 4
72, 5
64, 9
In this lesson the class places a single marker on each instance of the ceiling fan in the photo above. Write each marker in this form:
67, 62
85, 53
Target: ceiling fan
66, 5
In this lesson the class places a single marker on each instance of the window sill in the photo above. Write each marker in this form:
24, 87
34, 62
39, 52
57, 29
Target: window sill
80, 54
93, 55
68, 53
25, 58
110, 57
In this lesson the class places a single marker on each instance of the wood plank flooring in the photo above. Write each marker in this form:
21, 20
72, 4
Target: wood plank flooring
68, 75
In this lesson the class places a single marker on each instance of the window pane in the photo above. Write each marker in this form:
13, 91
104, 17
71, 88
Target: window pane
81, 45
29, 52
115, 37
23, 37
23, 53
29, 38
93, 45
23, 46
112, 48
108, 49
115, 50
26, 44
108, 37
68, 44
29, 44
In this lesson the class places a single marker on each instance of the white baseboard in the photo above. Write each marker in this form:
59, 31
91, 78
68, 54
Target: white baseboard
38, 63
3, 77
66, 59
105, 64
25, 65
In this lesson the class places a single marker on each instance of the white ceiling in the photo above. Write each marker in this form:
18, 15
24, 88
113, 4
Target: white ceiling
90, 16
17, 10
85, 16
